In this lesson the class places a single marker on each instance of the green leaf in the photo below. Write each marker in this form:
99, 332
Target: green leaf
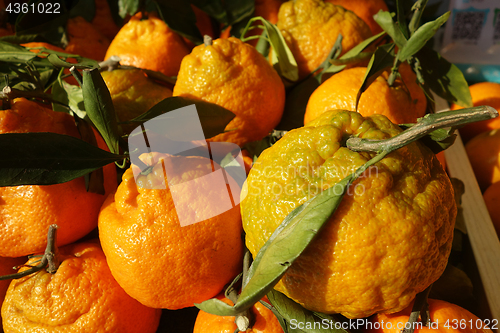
381, 59
384, 19
299, 319
444, 78
180, 17
14, 53
401, 20
213, 118
82, 62
353, 55
420, 37
47, 158
417, 9
128, 7
440, 139
99, 107
282, 58
284, 246
69, 95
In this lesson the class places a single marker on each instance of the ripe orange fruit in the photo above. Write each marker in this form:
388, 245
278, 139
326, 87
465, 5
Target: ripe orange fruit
265, 321
147, 42
311, 27
27, 211
6, 268
103, 20
156, 260
268, 9
492, 199
234, 75
445, 317
69, 79
483, 93
484, 156
81, 296
85, 39
404, 102
41, 44
133, 93
396, 219
365, 9
440, 156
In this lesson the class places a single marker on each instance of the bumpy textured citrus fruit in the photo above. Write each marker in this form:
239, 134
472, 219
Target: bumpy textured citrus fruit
147, 42
156, 260
85, 39
311, 27
446, 317
133, 93
365, 9
404, 102
492, 200
265, 321
389, 238
483, 93
484, 156
6, 268
27, 211
81, 296
234, 75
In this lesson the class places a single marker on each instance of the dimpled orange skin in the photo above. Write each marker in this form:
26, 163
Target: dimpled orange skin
402, 103
311, 27
81, 296
234, 75
6, 268
85, 39
390, 237
442, 314
484, 156
158, 262
265, 321
483, 93
27, 211
133, 93
365, 9
149, 43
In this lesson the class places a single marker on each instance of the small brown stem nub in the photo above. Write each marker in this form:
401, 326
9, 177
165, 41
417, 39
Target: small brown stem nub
207, 40
50, 259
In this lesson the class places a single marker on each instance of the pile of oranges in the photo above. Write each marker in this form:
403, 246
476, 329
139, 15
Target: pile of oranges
482, 144
121, 260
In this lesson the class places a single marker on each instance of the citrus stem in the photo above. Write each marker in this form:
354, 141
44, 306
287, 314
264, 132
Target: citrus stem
207, 40
110, 64
50, 259
245, 319
418, 9
424, 126
77, 75
420, 309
